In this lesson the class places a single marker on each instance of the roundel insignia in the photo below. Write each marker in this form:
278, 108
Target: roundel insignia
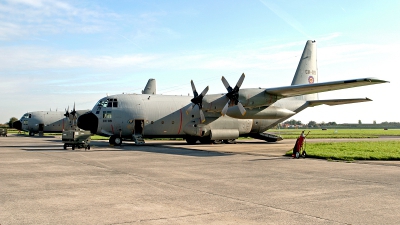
311, 79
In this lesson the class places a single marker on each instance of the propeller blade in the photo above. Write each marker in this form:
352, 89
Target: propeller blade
189, 109
204, 91
197, 100
226, 84
66, 114
225, 109
73, 112
194, 89
202, 117
240, 81
241, 108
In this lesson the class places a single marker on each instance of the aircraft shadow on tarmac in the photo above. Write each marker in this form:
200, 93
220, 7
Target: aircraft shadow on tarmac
161, 148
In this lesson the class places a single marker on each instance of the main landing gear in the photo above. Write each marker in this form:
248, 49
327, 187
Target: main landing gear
115, 140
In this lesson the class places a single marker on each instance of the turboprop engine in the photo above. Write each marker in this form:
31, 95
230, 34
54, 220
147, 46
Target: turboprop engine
195, 129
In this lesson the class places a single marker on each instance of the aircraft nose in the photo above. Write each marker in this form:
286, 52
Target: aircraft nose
17, 125
88, 121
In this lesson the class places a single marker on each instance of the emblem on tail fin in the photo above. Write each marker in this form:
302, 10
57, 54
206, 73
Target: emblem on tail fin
310, 79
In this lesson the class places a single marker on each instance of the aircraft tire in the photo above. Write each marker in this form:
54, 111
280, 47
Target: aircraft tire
205, 140
73, 147
65, 146
117, 141
230, 141
112, 140
297, 155
31, 133
191, 140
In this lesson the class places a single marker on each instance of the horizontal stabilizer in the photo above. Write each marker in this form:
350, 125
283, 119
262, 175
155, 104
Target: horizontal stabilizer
337, 101
304, 89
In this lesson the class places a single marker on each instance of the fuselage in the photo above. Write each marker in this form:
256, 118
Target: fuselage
165, 116
44, 121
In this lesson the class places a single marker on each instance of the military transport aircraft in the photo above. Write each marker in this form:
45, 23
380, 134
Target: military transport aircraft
207, 118
47, 121
58, 121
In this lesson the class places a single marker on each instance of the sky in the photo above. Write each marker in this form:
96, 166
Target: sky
56, 53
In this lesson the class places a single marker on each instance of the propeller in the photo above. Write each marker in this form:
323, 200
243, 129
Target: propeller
66, 114
233, 95
73, 112
197, 100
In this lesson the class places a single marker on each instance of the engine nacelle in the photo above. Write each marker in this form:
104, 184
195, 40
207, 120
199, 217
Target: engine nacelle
224, 134
194, 129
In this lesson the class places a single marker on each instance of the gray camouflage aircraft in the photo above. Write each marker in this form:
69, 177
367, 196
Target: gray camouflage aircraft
58, 121
47, 121
217, 117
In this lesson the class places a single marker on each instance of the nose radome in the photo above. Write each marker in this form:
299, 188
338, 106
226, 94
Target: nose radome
88, 121
17, 125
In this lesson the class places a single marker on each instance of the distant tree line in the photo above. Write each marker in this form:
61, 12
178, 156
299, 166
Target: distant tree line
9, 123
359, 124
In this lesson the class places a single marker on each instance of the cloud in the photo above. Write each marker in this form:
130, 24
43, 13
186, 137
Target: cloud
23, 19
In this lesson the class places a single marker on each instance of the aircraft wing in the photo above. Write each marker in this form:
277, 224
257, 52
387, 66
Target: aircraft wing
331, 102
303, 89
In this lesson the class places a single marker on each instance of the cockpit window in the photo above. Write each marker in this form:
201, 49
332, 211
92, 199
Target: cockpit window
112, 102
102, 103
109, 102
27, 115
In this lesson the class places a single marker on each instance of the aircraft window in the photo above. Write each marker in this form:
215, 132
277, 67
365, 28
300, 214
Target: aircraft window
107, 114
162, 122
102, 103
152, 122
111, 102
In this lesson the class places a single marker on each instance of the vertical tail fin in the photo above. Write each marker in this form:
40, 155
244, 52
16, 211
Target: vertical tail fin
307, 71
150, 87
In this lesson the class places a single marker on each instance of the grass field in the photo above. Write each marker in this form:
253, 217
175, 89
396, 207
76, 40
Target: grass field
336, 133
349, 151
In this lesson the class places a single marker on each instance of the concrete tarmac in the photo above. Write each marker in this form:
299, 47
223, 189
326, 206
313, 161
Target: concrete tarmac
173, 183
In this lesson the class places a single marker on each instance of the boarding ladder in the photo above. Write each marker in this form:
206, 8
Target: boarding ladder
138, 139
